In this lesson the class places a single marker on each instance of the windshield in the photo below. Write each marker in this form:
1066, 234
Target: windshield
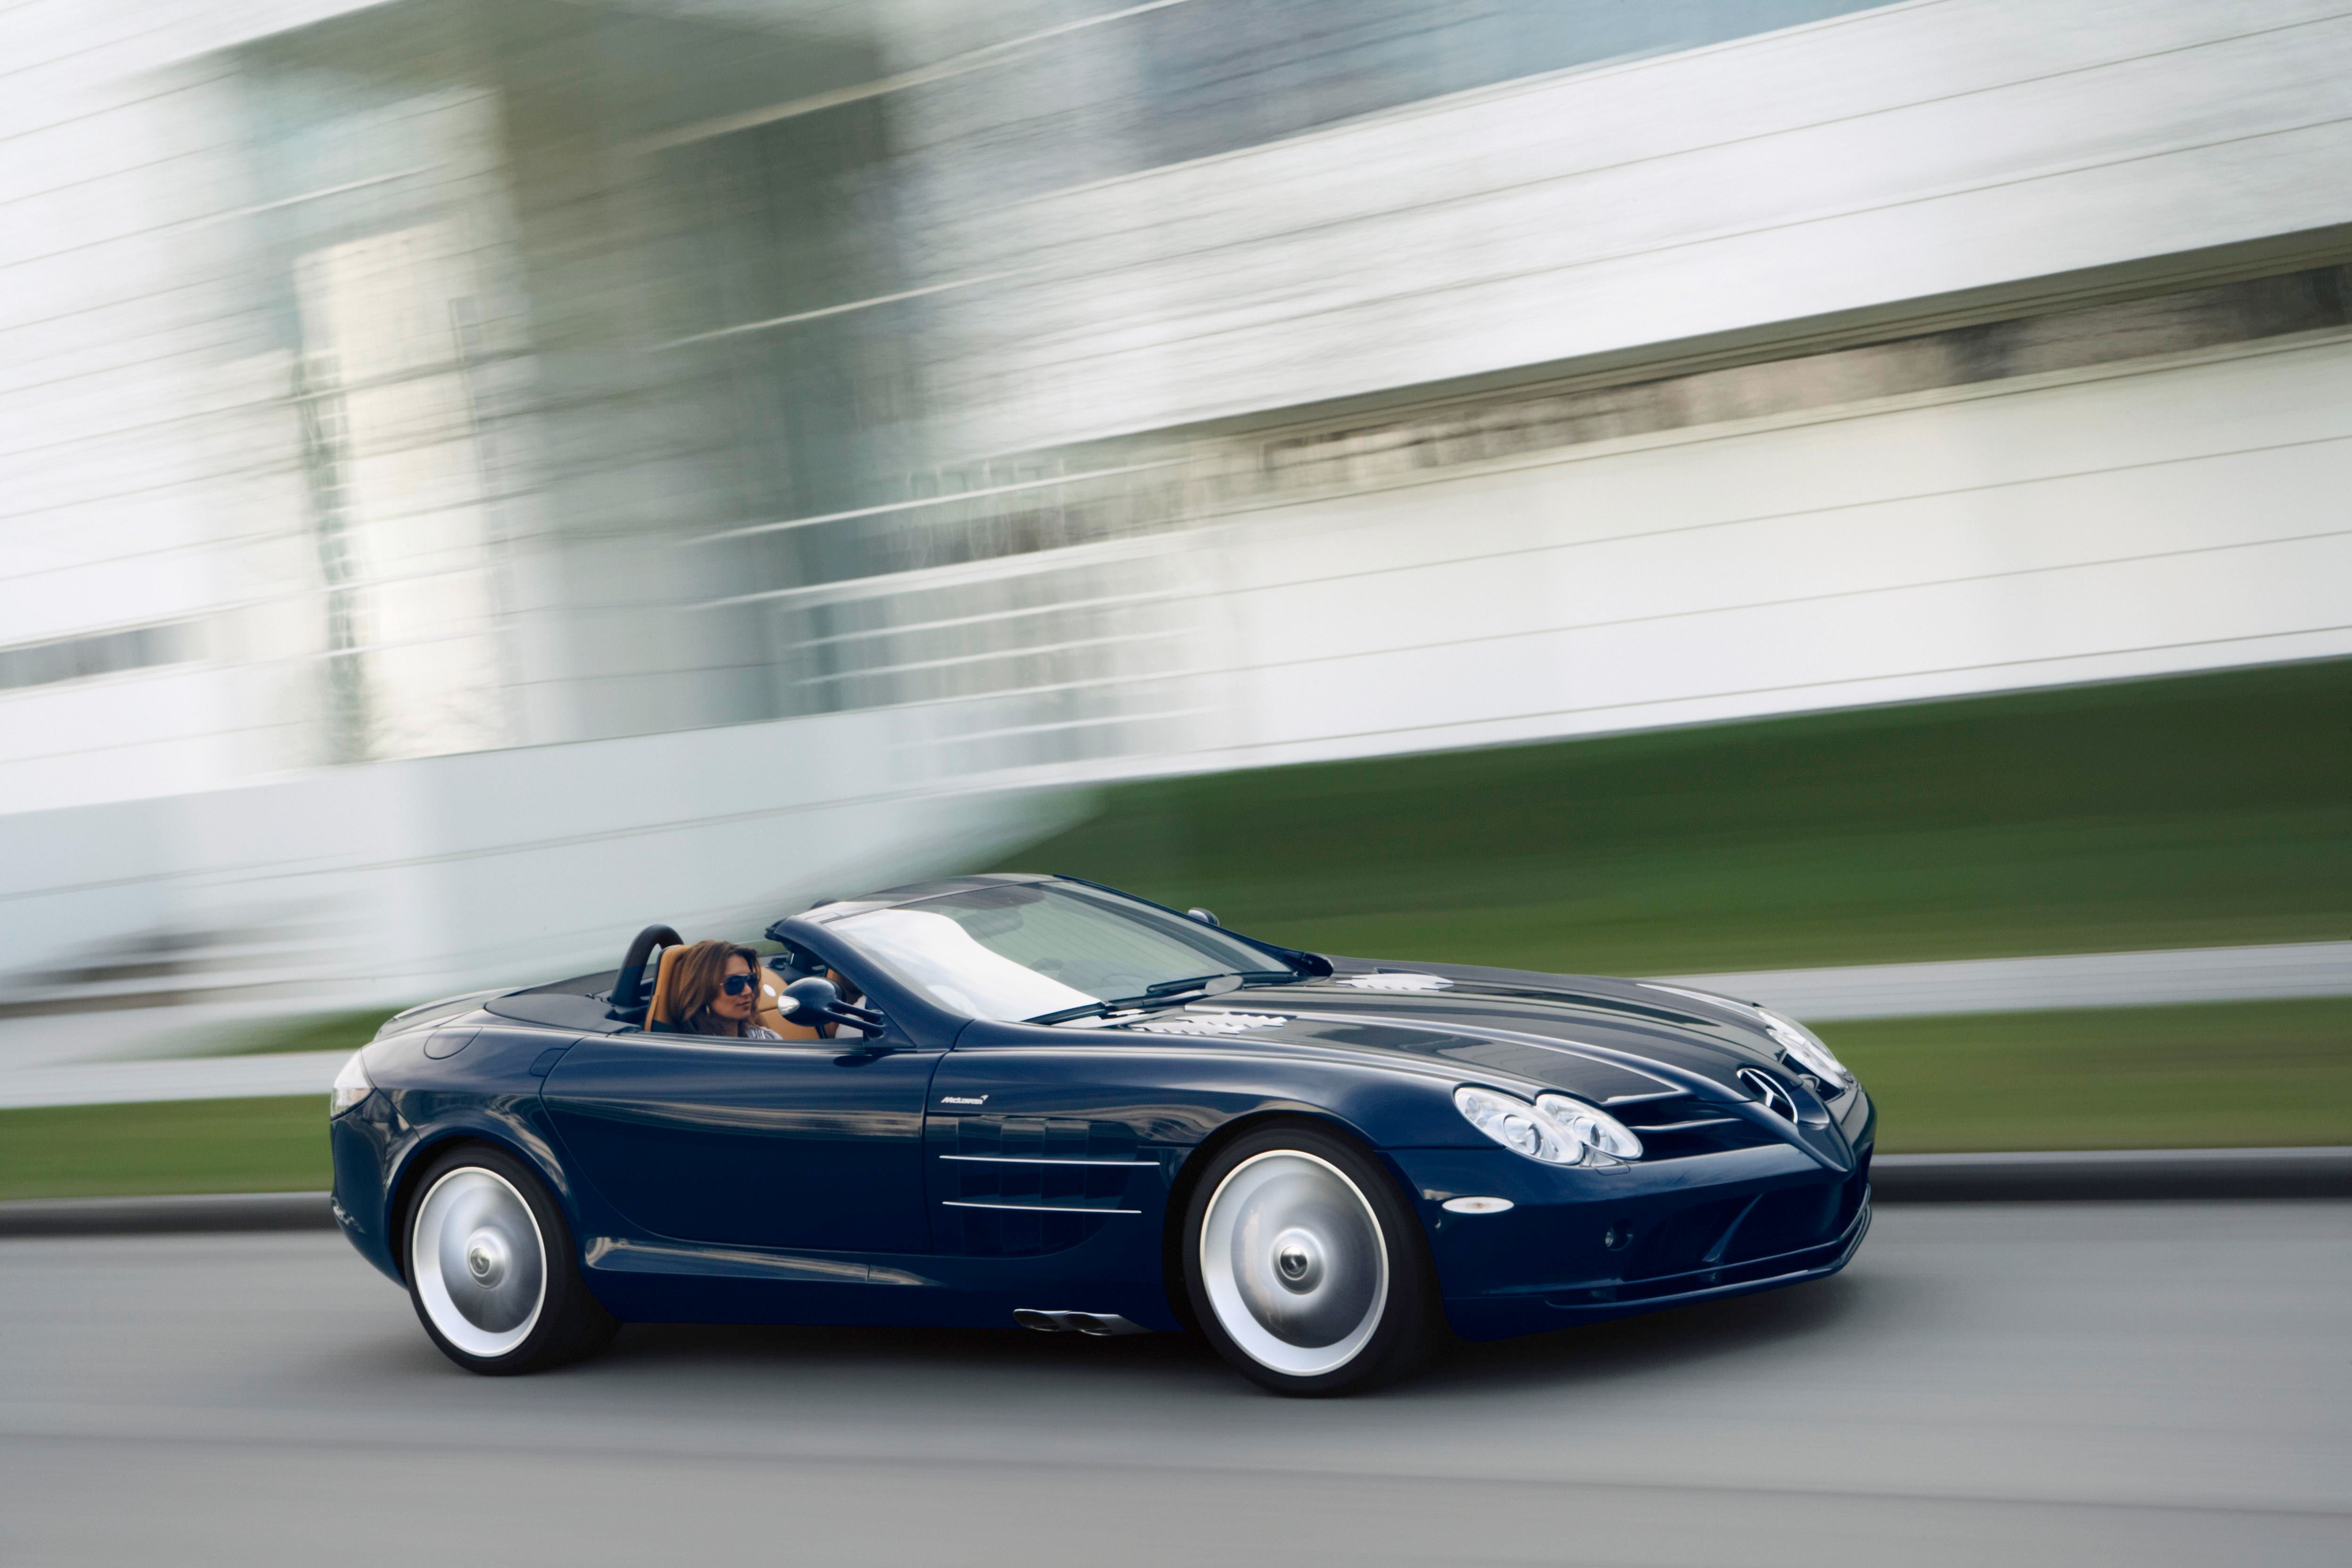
1025, 950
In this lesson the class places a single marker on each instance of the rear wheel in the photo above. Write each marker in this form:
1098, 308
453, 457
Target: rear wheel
491, 1268
1303, 1266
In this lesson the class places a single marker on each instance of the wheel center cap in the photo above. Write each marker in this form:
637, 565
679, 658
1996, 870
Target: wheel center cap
485, 1256
1298, 1261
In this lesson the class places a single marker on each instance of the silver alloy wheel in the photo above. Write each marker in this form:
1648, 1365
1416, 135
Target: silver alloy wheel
1294, 1262
481, 1266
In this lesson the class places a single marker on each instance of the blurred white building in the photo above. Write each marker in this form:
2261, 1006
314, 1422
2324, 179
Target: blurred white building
484, 474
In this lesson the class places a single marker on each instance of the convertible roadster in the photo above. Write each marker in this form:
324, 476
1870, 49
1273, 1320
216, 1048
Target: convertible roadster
1034, 1101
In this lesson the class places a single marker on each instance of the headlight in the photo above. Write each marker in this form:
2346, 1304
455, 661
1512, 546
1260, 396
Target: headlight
352, 1086
1555, 1130
1592, 1126
1805, 1049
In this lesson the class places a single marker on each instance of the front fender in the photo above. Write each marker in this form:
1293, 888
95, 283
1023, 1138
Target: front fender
1090, 1137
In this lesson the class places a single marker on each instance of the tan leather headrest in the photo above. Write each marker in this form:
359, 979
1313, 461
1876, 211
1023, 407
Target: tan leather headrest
658, 1010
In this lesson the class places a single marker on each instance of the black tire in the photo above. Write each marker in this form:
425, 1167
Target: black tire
491, 1269
1306, 1266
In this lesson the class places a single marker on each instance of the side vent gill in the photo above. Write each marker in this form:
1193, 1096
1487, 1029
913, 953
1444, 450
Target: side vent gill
1021, 1186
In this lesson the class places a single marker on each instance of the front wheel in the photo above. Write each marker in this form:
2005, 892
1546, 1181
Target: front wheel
1305, 1266
491, 1268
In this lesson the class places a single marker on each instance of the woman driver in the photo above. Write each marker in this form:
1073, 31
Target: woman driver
714, 986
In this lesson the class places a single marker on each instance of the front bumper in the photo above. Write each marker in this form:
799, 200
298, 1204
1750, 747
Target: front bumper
361, 1140
1500, 1317
1583, 1245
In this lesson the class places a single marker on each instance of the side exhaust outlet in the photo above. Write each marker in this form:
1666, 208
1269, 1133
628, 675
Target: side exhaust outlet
1101, 1325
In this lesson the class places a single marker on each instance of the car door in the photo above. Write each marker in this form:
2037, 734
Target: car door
813, 1145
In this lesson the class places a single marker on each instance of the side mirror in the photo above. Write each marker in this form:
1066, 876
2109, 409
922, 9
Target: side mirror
1203, 916
817, 1000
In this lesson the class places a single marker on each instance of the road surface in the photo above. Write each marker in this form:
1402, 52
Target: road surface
2021, 1384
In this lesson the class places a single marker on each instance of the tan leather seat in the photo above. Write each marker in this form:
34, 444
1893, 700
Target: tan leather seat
766, 1014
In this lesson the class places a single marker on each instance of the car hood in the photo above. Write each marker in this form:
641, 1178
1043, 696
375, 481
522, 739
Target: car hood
1600, 1039
1593, 1036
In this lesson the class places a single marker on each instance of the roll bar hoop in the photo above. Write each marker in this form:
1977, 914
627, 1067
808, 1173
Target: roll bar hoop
631, 996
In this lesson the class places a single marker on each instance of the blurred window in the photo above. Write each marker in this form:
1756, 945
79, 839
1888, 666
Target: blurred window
103, 653
1223, 74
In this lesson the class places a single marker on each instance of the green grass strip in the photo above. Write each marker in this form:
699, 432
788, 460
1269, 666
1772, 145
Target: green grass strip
305, 1032
2221, 1075
268, 1145
2204, 810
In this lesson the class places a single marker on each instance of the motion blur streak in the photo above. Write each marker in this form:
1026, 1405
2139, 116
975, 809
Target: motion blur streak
2031, 1385
481, 475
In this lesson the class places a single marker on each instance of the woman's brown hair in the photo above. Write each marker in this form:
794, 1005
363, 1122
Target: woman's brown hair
695, 978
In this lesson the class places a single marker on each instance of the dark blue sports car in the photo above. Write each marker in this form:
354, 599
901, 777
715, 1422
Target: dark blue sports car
1055, 1105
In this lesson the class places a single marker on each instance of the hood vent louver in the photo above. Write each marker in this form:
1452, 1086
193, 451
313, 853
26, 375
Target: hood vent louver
1395, 979
1209, 1024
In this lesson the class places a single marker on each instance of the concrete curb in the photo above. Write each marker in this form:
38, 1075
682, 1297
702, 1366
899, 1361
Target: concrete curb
192, 1213
2093, 1175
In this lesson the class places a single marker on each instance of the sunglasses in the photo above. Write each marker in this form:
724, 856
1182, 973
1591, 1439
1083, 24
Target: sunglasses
736, 985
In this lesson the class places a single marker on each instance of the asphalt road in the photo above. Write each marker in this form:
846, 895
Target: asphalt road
2142, 1383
